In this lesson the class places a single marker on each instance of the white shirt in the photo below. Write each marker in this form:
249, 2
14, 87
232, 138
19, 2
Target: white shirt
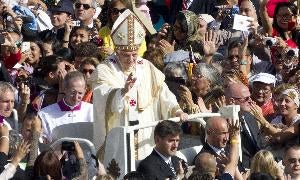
52, 116
217, 150
167, 160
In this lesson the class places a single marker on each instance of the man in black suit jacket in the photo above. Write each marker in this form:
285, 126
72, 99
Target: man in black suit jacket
217, 137
162, 162
239, 94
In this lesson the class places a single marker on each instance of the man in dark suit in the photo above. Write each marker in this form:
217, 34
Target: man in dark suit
162, 162
216, 136
239, 94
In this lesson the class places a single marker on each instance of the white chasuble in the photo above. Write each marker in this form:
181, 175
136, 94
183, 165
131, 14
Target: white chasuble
148, 100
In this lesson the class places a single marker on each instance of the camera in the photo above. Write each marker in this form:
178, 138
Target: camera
67, 146
269, 41
289, 57
291, 53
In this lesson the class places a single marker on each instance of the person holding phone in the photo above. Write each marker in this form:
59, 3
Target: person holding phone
47, 164
284, 21
61, 17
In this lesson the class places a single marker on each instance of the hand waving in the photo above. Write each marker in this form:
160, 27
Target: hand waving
209, 43
129, 83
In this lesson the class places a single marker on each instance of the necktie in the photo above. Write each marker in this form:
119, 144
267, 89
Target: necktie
172, 168
244, 128
184, 4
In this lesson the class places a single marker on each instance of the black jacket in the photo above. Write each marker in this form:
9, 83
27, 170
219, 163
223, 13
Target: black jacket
249, 143
153, 167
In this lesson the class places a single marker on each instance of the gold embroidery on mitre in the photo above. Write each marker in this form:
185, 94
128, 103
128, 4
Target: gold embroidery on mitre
131, 30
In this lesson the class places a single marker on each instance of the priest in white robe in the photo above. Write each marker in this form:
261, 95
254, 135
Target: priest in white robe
130, 90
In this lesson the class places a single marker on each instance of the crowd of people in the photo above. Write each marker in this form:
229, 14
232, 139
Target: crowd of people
79, 68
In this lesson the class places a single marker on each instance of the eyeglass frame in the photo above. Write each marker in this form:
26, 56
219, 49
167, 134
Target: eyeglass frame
85, 6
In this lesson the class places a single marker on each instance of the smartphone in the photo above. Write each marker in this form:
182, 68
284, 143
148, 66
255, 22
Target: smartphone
75, 23
25, 46
67, 146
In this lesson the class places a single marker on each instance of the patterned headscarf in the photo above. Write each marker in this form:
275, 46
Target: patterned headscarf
192, 23
293, 94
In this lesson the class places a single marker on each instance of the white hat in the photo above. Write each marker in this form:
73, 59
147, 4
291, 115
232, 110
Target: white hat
128, 32
264, 78
206, 17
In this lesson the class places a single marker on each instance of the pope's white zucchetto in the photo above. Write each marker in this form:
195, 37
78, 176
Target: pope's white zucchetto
128, 32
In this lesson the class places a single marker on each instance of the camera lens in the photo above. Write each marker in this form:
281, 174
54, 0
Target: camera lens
290, 53
269, 43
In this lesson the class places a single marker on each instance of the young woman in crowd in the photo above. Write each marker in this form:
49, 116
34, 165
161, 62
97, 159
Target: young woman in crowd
35, 54
87, 67
79, 35
286, 122
264, 162
183, 34
284, 21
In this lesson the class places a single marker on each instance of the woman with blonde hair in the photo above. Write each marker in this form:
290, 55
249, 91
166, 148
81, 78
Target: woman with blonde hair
264, 162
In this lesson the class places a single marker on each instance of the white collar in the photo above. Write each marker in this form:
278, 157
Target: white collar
167, 160
217, 150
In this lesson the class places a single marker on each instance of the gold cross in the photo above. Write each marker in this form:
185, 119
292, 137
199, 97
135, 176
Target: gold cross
121, 36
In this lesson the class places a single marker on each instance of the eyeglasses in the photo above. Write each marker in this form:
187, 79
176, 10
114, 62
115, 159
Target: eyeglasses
85, 6
245, 99
85, 71
116, 11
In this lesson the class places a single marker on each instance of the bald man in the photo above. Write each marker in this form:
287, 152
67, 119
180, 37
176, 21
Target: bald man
206, 163
239, 94
217, 136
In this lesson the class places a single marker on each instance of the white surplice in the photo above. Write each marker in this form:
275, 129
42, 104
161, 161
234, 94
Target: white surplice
149, 100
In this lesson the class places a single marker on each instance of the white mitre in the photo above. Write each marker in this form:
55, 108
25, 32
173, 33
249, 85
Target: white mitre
128, 32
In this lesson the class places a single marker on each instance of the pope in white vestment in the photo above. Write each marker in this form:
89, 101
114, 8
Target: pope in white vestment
149, 99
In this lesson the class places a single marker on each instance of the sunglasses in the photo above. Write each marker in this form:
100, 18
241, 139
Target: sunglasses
85, 6
116, 11
85, 71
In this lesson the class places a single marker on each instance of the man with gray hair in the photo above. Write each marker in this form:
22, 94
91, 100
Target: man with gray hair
7, 99
71, 109
84, 12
